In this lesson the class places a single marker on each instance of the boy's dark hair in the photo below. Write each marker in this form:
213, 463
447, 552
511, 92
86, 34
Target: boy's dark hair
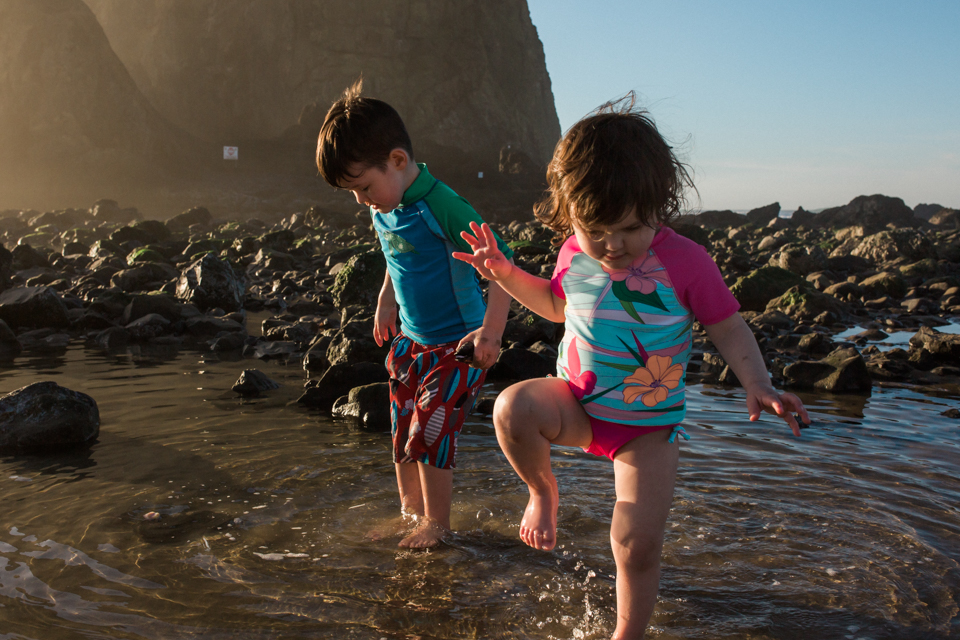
606, 164
358, 131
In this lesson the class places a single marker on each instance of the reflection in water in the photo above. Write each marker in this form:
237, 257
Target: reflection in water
852, 531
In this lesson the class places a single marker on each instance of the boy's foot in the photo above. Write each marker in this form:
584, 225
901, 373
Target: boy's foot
389, 528
538, 528
428, 534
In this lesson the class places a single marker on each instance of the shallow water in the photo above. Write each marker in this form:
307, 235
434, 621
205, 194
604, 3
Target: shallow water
852, 531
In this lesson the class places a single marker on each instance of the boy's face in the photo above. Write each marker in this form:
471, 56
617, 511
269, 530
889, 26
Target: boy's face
616, 246
379, 187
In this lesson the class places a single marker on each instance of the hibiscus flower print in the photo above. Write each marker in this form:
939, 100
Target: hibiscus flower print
652, 383
581, 384
642, 276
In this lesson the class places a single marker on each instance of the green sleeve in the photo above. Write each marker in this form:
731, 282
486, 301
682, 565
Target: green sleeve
454, 214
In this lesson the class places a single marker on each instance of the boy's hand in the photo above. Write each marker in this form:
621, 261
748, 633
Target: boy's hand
487, 257
784, 405
486, 347
384, 323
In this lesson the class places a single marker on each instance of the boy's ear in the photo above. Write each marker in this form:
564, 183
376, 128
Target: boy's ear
398, 159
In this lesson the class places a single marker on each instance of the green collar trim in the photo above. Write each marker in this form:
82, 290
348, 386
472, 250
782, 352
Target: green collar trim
420, 187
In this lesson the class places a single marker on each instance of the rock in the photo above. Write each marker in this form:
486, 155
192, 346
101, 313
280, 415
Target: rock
844, 370
113, 338
253, 382
147, 327
226, 341
800, 259
526, 328
947, 218
141, 305
755, 290
210, 326
353, 343
73, 120
951, 413
182, 222
338, 380
26, 257
804, 304
763, 216
887, 367
315, 359
177, 527
774, 319
9, 345
32, 307
872, 212
145, 277
360, 281
890, 245
941, 348
718, 219
368, 405
440, 67
210, 282
45, 416
520, 364
887, 283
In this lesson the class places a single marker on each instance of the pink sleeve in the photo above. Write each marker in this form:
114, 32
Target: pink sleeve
565, 257
696, 278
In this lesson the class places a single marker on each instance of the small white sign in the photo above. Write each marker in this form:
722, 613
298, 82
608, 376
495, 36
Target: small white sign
480, 174
231, 153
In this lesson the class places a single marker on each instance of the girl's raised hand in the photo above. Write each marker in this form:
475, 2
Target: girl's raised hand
486, 257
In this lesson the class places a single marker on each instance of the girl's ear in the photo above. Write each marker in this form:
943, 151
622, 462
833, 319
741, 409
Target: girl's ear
399, 159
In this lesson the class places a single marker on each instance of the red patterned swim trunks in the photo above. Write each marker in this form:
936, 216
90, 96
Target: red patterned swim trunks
430, 396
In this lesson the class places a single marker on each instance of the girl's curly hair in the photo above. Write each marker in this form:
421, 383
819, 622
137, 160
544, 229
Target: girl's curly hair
610, 162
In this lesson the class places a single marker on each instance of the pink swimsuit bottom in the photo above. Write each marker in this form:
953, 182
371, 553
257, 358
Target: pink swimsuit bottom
608, 437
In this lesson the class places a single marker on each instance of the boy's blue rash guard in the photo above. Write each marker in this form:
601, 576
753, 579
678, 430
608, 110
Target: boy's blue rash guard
438, 296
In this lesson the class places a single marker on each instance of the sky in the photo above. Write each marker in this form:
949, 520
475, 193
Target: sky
806, 103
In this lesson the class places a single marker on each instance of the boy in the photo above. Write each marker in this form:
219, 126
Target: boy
364, 147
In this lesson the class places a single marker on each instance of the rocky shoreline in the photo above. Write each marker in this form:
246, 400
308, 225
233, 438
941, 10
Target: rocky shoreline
106, 276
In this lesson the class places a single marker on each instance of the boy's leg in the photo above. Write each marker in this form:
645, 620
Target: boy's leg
436, 486
645, 470
530, 416
408, 482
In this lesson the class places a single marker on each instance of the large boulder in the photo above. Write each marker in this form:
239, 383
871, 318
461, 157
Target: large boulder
803, 303
940, 348
844, 370
367, 406
889, 245
801, 259
762, 216
45, 416
872, 212
359, 282
754, 290
72, 120
467, 76
211, 282
33, 307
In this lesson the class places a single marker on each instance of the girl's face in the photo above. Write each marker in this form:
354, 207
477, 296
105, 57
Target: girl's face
616, 246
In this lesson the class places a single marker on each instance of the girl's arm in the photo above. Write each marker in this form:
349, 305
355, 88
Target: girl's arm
739, 349
385, 319
532, 292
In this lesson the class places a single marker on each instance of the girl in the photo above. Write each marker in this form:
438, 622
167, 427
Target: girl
628, 289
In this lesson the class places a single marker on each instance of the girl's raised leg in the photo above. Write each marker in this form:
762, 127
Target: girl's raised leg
530, 416
645, 470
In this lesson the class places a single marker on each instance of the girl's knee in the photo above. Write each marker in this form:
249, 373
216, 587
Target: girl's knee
635, 551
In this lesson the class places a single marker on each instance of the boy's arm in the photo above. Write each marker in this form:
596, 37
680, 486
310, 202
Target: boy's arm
532, 292
488, 338
739, 349
385, 319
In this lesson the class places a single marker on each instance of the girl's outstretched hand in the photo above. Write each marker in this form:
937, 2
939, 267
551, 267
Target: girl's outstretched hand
784, 405
486, 257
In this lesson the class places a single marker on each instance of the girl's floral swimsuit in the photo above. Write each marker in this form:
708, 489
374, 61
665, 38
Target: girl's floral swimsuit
629, 332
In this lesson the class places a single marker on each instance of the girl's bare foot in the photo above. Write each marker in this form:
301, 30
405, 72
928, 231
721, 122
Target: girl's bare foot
428, 533
538, 528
